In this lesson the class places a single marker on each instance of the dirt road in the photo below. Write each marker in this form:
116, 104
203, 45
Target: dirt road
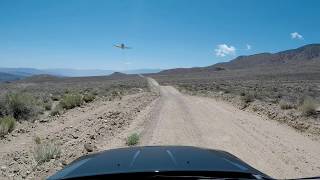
269, 146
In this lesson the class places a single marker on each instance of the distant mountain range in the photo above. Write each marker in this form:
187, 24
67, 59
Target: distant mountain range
302, 57
11, 74
8, 77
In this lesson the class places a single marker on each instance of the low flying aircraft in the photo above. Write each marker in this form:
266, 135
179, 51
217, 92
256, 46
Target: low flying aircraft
122, 46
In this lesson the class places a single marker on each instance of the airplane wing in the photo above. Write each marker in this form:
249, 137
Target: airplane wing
117, 46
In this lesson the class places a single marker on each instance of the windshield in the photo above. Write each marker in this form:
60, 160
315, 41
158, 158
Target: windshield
81, 77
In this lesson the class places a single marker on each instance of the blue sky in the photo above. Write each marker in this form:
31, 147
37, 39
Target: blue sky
163, 33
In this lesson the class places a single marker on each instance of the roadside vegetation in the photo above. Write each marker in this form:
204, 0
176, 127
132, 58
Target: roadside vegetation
44, 152
285, 99
22, 106
88, 97
308, 106
133, 139
36, 99
7, 124
70, 101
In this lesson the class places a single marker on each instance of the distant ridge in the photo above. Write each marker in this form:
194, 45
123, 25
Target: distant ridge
5, 77
308, 55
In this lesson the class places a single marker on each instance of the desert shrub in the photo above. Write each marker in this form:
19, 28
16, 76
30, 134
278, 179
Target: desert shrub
115, 95
70, 101
47, 106
45, 152
88, 97
133, 139
3, 106
22, 106
56, 110
55, 97
7, 125
247, 97
285, 104
308, 106
95, 92
37, 140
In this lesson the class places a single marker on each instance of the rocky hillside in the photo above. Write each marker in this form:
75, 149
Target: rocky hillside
304, 57
8, 77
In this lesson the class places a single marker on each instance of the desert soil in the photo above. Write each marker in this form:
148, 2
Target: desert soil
171, 119
271, 147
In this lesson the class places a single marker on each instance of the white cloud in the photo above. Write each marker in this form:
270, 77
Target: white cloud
222, 50
248, 46
128, 63
296, 35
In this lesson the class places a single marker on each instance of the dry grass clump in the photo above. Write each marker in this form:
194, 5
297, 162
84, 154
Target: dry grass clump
7, 125
308, 106
21, 106
89, 97
284, 104
247, 97
56, 110
70, 101
45, 152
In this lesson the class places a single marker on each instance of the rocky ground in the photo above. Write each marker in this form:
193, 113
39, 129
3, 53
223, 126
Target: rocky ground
80, 131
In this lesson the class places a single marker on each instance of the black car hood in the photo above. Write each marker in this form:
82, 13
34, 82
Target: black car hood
154, 159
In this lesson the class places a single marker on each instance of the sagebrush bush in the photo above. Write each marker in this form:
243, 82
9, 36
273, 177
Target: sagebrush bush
115, 95
285, 104
47, 106
308, 106
22, 106
247, 97
88, 97
70, 101
133, 139
56, 110
3, 106
45, 152
55, 97
7, 125
37, 140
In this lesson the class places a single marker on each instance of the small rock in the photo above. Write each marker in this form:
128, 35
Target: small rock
88, 147
3, 168
64, 162
15, 170
92, 137
71, 155
74, 136
22, 131
16, 158
43, 120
